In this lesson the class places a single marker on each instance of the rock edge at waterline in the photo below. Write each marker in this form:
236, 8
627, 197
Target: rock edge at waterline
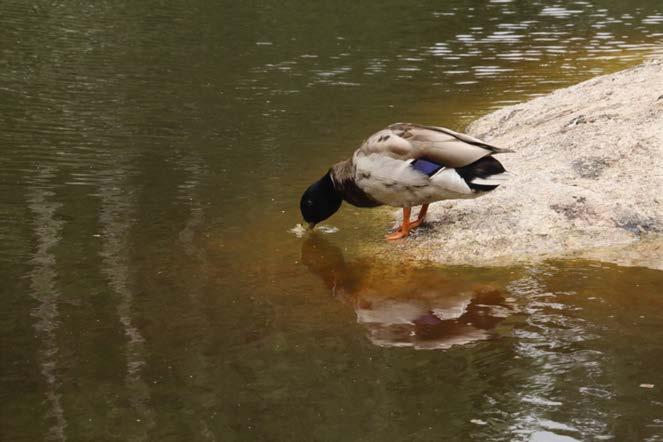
589, 180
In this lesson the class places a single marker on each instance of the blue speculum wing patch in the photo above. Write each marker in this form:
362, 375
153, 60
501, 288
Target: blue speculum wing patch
425, 166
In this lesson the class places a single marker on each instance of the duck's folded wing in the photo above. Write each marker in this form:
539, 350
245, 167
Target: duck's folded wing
458, 135
441, 145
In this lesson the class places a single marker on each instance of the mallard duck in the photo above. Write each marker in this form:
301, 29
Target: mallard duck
406, 165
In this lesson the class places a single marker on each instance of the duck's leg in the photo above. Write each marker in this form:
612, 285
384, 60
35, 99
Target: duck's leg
420, 217
404, 230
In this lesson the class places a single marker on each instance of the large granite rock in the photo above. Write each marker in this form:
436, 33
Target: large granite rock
589, 179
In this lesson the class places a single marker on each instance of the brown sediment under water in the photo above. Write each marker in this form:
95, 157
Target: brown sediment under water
153, 155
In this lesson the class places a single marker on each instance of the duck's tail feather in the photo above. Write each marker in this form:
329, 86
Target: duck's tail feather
493, 180
484, 174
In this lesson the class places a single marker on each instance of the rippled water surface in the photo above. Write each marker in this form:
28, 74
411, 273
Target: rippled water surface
154, 285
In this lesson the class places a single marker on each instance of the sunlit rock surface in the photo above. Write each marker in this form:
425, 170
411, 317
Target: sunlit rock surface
588, 183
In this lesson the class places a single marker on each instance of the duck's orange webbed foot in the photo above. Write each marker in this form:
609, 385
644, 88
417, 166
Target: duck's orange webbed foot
404, 230
416, 223
398, 234
420, 217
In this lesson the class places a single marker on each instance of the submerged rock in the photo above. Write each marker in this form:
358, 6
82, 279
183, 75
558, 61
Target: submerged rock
588, 182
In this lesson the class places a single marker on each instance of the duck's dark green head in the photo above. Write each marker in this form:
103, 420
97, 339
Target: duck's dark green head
320, 201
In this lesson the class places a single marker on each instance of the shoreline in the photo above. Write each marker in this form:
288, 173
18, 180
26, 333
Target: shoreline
588, 173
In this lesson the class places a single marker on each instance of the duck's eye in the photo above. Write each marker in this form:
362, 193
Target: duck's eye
309, 203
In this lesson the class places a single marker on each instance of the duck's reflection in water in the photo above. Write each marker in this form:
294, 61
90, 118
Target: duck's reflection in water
407, 305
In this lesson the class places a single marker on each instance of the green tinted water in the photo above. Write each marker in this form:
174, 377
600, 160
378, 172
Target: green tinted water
153, 155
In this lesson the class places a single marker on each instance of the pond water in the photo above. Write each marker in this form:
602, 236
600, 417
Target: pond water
153, 155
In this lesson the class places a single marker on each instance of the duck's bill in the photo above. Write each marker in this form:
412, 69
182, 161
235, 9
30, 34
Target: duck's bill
311, 226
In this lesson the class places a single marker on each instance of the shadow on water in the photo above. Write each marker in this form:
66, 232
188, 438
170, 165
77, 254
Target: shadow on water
407, 305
